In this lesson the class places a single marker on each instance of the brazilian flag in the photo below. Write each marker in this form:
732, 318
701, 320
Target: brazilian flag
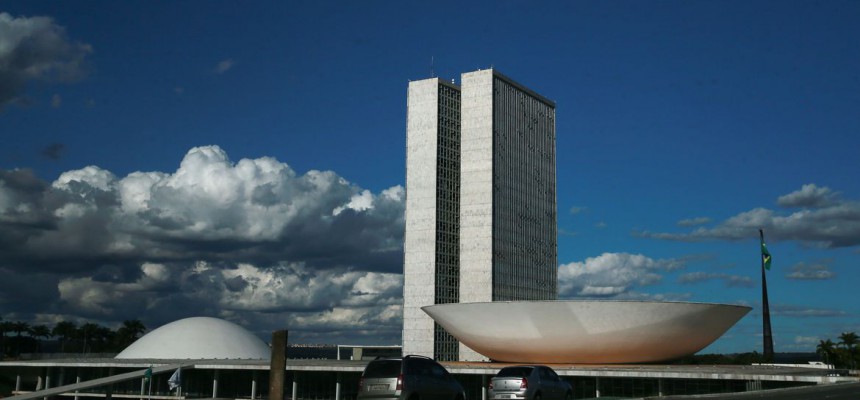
765, 256
147, 375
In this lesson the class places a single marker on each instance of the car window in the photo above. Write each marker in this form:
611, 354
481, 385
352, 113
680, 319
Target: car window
547, 374
419, 366
438, 371
409, 367
514, 372
382, 369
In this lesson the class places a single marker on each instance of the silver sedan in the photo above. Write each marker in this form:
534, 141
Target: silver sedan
529, 382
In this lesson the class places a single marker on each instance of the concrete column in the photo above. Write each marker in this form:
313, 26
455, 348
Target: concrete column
47, 381
483, 387
337, 387
17, 383
215, 384
660, 387
142, 387
77, 380
39, 383
253, 385
109, 387
278, 365
295, 387
596, 387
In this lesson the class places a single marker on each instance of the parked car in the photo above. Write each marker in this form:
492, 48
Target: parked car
529, 382
408, 378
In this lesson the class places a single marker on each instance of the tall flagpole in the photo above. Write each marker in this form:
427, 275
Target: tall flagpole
768, 336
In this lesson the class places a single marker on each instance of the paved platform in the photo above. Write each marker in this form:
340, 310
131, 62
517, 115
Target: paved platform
840, 391
651, 371
656, 371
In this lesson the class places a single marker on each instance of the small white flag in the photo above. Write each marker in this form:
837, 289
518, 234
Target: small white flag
175, 380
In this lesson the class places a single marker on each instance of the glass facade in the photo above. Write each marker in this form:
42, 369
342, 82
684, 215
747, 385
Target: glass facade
524, 198
447, 263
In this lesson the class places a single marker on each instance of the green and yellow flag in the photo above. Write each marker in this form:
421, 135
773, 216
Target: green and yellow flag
147, 375
765, 256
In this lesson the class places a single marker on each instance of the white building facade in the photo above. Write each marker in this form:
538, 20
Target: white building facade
480, 202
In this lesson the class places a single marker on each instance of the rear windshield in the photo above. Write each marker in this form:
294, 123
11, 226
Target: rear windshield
515, 372
382, 369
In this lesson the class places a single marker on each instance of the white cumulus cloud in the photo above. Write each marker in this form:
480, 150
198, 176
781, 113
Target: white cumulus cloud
611, 274
824, 220
249, 240
810, 196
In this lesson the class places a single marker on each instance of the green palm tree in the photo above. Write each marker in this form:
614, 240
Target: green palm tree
40, 331
849, 341
826, 348
130, 331
5, 327
19, 327
103, 337
87, 332
65, 330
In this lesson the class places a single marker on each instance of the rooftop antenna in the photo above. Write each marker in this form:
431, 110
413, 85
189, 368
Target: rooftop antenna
432, 70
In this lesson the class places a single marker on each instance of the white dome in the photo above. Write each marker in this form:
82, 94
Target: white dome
198, 338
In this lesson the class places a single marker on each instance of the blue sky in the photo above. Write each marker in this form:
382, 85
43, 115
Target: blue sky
246, 160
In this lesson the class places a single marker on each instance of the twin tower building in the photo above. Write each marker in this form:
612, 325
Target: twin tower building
480, 202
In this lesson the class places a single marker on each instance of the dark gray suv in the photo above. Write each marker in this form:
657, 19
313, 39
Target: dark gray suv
408, 378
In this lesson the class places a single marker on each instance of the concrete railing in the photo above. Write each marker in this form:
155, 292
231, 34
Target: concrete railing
62, 390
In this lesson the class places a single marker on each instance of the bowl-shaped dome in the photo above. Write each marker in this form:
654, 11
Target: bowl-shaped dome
586, 332
198, 338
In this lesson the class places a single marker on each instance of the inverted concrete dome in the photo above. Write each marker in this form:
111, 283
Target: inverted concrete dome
586, 332
198, 338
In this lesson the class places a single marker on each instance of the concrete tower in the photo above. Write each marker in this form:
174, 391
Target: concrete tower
507, 198
480, 202
431, 257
